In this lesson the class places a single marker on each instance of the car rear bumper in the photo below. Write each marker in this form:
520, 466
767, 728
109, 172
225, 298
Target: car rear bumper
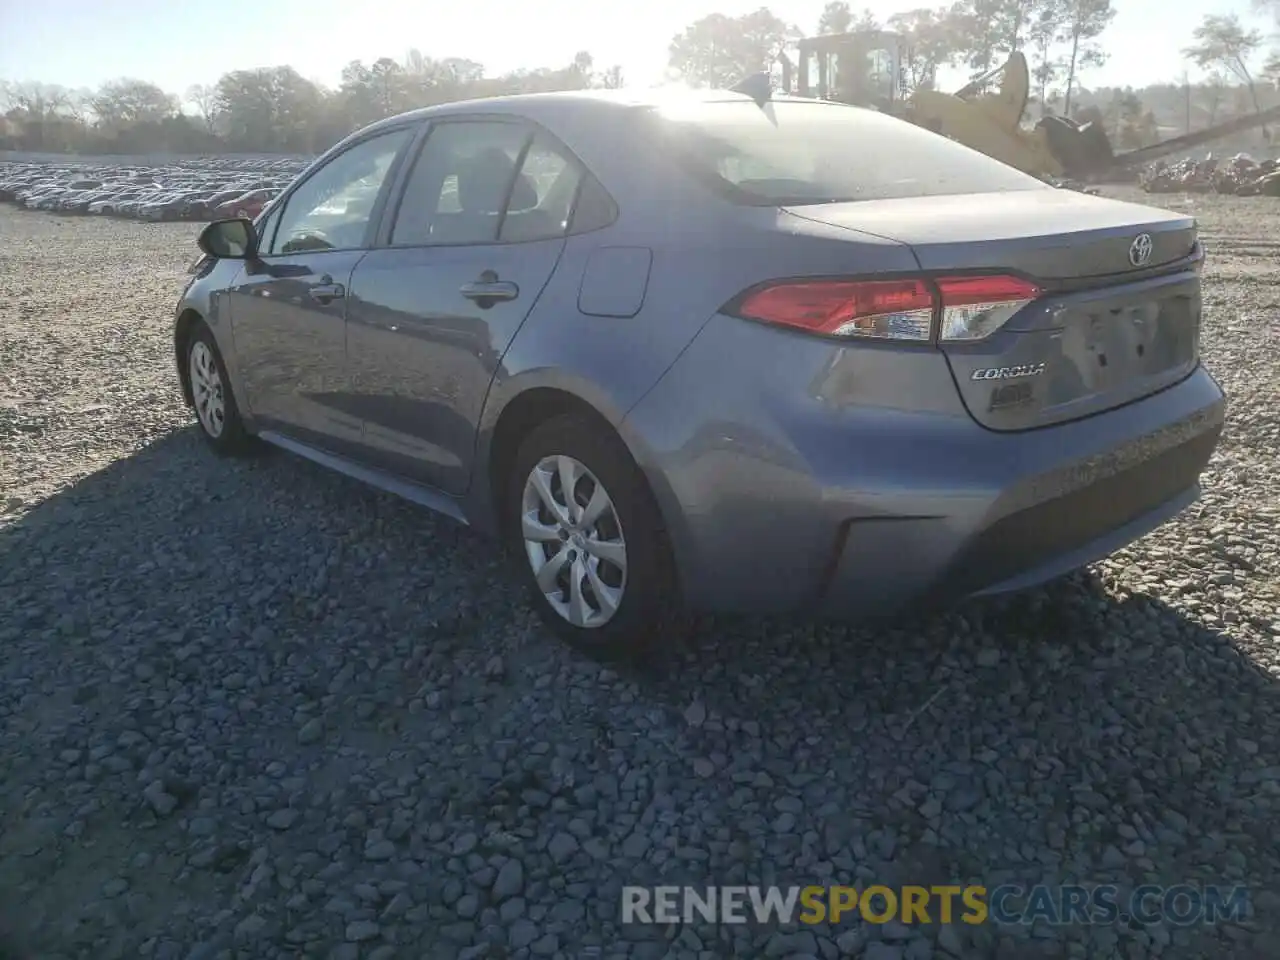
1062, 515
780, 503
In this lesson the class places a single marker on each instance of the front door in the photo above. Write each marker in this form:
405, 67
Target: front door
476, 238
288, 307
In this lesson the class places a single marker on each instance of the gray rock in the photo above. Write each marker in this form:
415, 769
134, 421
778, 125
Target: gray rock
880, 950
358, 931
949, 940
522, 933
562, 847
311, 731
282, 819
510, 880
158, 799
380, 850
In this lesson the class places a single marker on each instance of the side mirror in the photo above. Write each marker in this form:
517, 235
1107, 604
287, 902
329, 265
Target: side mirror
233, 239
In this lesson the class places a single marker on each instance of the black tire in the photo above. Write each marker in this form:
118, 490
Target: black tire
1081, 149
648, 611
1096, 145
227, 435
1065, 144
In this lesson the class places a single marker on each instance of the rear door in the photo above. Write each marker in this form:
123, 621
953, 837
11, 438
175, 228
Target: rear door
474, 240
288, 307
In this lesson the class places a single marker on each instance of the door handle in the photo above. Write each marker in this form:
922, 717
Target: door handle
326, 292
488, 290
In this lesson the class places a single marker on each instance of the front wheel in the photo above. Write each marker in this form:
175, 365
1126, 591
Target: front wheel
211, 395
588, 537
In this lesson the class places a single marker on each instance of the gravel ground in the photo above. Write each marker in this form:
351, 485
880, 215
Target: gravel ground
252, 709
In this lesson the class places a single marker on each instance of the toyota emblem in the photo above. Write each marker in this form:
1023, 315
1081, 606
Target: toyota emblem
1140, 249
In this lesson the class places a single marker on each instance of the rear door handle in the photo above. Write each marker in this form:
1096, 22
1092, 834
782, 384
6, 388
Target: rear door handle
486, 293
326, 292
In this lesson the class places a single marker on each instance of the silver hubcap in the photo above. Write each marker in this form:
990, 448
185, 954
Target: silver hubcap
574, 541
206, 390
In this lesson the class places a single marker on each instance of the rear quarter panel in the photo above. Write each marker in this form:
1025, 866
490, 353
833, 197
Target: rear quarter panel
705, 251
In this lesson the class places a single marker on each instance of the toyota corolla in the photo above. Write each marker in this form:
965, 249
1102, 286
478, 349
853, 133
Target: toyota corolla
706, 351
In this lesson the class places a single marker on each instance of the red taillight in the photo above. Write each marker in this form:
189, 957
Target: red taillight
844, 307
967, 291
970, 307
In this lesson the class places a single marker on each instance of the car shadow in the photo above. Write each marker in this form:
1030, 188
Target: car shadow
1117, 734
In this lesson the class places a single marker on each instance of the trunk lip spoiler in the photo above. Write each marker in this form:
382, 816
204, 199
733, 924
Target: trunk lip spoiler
1191, 262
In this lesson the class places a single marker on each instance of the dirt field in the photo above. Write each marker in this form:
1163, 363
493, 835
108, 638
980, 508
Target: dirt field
252, 709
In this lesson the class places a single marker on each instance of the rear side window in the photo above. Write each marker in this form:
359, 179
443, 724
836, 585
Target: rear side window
457, 190
595, 209
484, 182
811, 152
543, 196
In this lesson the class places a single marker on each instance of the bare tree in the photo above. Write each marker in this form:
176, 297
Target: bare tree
1043, 35
929, 44
205, 99
1184, 82
836, 18
987, 31
39, 101
126, 102
1084, 21
1213, 92
611, 79
1222, 40
718, 51
1271, 69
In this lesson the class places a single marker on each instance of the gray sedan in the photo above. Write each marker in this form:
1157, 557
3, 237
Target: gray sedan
703, 351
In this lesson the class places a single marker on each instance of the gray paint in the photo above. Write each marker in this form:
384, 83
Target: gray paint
614, 281
793, 472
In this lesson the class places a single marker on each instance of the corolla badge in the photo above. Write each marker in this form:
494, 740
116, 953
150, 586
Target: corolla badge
1140, 249
1009, 373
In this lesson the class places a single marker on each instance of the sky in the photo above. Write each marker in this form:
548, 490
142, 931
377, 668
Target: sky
81, 43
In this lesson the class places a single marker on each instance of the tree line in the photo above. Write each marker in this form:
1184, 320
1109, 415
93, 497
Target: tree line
276, 110
264, 110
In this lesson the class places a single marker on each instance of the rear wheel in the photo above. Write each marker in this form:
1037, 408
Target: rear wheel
588, 538
211, 395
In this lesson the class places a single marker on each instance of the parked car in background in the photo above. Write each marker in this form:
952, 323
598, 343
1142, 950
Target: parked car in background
187, 190
248, 204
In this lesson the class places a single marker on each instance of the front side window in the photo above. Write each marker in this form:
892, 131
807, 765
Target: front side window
790, 153
332, 209
265, 225
465, 187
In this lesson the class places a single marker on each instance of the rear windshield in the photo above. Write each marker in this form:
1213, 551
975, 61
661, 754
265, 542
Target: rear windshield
793, 153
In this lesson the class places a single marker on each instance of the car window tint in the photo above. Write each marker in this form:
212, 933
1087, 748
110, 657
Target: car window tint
542, 197
449, 196
594, 208
331, 209
266, 224
458, 187
796, 153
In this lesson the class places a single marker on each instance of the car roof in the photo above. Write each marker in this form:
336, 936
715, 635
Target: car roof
561, 104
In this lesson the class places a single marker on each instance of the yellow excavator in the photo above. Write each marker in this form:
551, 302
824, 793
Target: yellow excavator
866, 69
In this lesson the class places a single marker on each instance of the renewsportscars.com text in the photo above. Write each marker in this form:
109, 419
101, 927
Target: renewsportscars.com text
1180, 905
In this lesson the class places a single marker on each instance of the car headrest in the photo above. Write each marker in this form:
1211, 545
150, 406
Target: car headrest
524, 195
482, 184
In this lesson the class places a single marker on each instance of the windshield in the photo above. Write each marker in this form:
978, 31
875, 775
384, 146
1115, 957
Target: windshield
792, 153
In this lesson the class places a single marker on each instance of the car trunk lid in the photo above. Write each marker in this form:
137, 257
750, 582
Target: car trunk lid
1119, 316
